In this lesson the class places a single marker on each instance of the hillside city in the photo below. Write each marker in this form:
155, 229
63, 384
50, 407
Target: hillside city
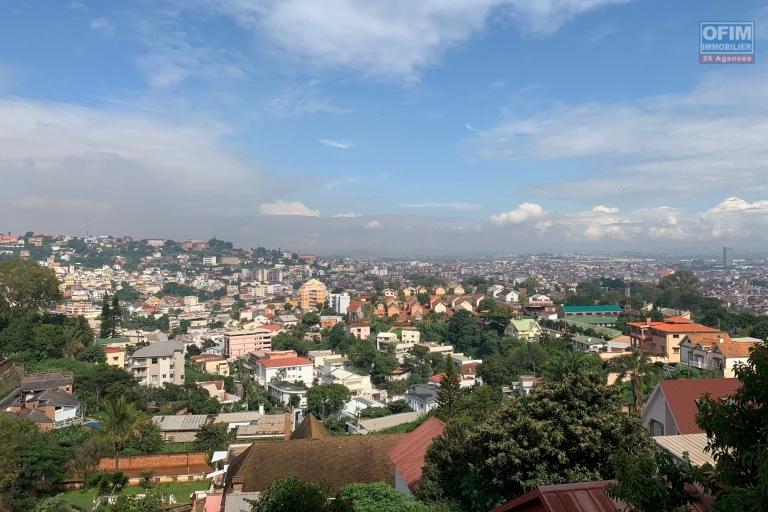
204, 376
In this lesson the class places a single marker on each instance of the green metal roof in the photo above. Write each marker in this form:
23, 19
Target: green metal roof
592, 309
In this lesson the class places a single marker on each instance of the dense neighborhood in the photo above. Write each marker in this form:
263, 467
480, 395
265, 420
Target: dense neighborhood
226, 373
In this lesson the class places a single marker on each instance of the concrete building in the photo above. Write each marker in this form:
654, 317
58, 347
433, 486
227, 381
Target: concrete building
340, 302
240, 343
159, 363
287, 367
312, 294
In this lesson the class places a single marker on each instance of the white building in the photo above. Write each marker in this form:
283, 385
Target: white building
289, 368
340, 302
159, 363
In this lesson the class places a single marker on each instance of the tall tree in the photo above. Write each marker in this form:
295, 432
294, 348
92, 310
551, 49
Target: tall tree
449, 396
106, 318
637, 368
116, 314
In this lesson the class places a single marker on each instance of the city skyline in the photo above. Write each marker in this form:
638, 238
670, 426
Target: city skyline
505, 131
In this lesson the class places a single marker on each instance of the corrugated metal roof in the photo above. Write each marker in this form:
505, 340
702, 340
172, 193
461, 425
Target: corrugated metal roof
692, 444
180, 422
409, 453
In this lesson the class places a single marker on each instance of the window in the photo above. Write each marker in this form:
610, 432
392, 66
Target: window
656, 428
675, 350
154, 360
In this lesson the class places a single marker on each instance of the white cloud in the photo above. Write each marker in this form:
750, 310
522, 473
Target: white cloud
295, 208
604, 209
338, 144
396, 38
449, 205
687, 143
374, 224
347, 215
522, 213
151, 172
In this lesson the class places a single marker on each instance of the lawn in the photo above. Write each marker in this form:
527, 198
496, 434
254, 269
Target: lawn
83, 499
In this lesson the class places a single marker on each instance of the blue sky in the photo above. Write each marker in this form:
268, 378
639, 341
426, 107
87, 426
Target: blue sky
398, 127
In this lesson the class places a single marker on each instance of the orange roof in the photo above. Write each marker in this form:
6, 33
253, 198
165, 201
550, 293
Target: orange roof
113, 350
682, 395
678, 320
286, 361
682, 328
409, 453
730, 348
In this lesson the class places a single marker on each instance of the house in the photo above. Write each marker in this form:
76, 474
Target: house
422, 398
410, 335
283, 367
212, 364
240, 343
439, 291
692, 445
409, 454
360, 403
284, 392
360, 331
115, 357
355, 310
337, 460
180, 428
524, 384
371, 425
266, 426
215, 388
525, 328
318, 357
663, 338
464, 364
47, 407
511, 296
671, 408
356, 383
328, 321
159, 363
399, 373
287, 320
716, 352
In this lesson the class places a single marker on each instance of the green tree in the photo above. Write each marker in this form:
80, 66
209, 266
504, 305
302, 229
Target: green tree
449, 395
654, 482
564, 431
213, 437
148, 440
53, 504
327, 399
375, 497
292, 494
107, 482
121, 421
738, 438
636, 368
105, 330
26, 287
563, 364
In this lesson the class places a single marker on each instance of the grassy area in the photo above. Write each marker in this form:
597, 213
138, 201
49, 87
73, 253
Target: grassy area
84, 499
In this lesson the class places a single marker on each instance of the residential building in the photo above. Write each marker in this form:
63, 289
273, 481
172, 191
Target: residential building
410, 336
716, 352
180, 428
409, 454
240, 343
283, 392
663, 338
340, 302
422, 398
360, 331
115, 357
283, 367
671, 408
213, 364
356, 383
159, 363
525, 328
313, 293
47, 399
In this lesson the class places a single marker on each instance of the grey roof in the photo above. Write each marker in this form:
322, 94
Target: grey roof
60, 398
240, 501
392, 420
426, 392
180, 422
159, 349
46, 380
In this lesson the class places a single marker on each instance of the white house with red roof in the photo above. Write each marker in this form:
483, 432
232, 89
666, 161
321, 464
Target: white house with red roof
285, 366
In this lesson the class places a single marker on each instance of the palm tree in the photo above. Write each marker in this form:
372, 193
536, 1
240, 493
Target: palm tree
570, 364
121, 422
636, 367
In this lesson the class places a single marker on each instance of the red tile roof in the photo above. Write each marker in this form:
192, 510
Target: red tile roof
681, 396
682, 328
285, 361
409, 453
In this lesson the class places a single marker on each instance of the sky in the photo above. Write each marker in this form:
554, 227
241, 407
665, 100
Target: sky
390, 128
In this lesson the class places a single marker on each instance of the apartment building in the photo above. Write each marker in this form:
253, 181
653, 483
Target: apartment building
285, 366
240, 343
160, 363
664, 338
312, 294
